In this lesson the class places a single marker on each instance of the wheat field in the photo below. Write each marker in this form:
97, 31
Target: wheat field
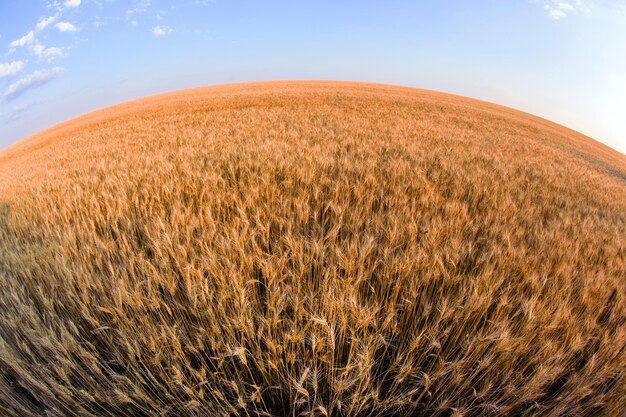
312, 249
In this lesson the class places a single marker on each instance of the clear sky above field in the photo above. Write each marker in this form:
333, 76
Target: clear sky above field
561, 59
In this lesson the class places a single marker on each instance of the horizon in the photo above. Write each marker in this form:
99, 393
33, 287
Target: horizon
63, 59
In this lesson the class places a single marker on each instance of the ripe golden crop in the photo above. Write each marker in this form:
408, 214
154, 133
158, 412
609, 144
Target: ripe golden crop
312, 248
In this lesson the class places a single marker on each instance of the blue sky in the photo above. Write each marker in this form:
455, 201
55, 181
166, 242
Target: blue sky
561, 59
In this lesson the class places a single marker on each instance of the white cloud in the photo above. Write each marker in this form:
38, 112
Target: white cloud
556, 13
44, 22
66, 27
9, 69
160, 30
139, 6
557, 9
25, 40
47, 53
36, 79
29, 40
54, 5
100, 21
18, 110
71, 3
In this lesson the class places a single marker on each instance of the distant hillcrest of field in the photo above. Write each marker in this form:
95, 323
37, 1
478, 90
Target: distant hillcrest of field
438, 110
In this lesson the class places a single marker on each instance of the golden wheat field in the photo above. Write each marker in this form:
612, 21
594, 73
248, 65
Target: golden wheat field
312, 249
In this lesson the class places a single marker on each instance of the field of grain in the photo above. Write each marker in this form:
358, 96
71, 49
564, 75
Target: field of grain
312, 249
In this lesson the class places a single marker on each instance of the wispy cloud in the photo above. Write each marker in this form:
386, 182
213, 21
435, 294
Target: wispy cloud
558, 9
139, 6
40, 51
72, 3
161, 30
66, 27
36, 79
48, 54
44, 22
9, 69
100, 21
18, 110
25, 40
61, 5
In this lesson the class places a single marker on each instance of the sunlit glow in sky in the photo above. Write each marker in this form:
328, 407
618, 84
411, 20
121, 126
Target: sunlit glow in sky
564, 60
